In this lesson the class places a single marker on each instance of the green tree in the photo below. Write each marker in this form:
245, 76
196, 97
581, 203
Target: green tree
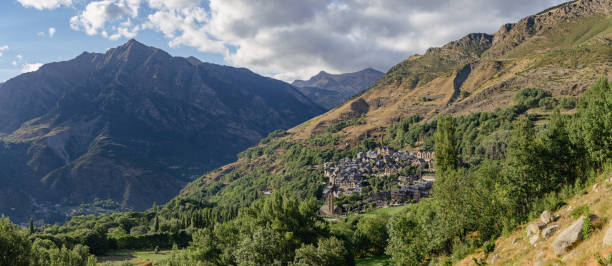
31, 227
15, 247
445, 146
156, 224
370, 238
594, 121
329, 252
560, 154
523, 168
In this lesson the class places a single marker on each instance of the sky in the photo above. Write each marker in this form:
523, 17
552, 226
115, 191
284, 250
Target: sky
283, 39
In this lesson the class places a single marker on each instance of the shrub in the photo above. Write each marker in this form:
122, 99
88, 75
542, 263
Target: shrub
586, 228
530, 97
580, 211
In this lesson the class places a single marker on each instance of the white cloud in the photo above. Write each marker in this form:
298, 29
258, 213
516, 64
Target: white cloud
296, 39
185, 27
3, 48
30, 67
14, 63
97, 14
51, 32
45, 4
41, 34
19, 57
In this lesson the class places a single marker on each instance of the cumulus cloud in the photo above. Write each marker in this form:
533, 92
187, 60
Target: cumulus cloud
291, 39
51, 32
296, 39
3, 48
97, 14
30, 67
45, 4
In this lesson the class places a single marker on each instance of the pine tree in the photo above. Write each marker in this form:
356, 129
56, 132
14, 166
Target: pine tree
31, 226
156, 224
523, 167
594, 123
446, 157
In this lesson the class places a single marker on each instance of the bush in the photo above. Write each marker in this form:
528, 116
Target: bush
586, 228
530, 97
580, 211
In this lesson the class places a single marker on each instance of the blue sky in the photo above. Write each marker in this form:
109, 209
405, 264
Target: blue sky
285, 39
20, 28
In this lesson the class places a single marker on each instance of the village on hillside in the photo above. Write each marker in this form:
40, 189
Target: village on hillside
353, 176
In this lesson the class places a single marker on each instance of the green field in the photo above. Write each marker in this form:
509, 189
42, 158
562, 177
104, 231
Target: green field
389, 210
135, 257
375, 261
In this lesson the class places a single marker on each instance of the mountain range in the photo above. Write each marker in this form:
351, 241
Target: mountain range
331, 90
133, 125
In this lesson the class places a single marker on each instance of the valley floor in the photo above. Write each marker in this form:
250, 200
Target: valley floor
135, 257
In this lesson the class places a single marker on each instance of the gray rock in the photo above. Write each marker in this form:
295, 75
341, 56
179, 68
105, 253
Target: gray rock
533, 240
607, 241
595, 187
568, 237
549, 231
534, 228
568, 256
546, 217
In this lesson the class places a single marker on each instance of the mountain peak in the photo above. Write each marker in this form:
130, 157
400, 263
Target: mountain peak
135, 52
322, 73
193, 60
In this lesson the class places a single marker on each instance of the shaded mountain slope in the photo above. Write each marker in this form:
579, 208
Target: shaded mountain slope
133, 124
331, 90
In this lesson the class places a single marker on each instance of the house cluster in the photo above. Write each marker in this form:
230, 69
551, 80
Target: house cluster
347, 176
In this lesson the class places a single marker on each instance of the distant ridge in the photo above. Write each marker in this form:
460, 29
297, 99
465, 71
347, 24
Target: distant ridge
330, 90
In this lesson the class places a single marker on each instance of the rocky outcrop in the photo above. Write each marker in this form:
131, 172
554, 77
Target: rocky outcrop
607, 241
547, 217
533, 240
513, 34
534, 228
549, 231
568, 237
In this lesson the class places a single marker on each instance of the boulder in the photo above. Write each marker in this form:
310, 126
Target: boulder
546, 217
607, 241
549, 231
568, 237
534, 228
533, 240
